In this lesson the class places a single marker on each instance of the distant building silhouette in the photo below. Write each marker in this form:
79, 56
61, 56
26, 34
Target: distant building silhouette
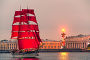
77, 42
71, 42
50, 44
8, 45
46, 44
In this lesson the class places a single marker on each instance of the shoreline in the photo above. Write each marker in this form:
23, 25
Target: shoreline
63, 50
53, 50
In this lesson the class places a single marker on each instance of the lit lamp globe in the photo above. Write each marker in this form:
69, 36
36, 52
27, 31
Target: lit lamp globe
63, 30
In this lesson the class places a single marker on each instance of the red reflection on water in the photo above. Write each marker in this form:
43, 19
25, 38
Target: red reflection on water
27, 59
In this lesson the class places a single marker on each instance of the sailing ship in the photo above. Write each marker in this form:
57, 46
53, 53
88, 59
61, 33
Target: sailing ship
25, 30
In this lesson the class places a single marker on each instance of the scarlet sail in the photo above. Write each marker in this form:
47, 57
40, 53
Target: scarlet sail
15, 25
25, 29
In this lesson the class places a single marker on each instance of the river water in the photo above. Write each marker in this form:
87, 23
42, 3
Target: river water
51, 56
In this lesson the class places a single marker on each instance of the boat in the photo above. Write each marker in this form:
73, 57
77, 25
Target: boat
25, 30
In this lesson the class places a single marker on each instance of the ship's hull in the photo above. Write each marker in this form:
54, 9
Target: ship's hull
25, 55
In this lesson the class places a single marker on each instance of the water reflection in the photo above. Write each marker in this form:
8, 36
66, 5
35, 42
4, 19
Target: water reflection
51, 56
63, 56
27, 59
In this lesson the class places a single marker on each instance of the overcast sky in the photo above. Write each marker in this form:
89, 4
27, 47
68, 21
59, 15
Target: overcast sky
52, 15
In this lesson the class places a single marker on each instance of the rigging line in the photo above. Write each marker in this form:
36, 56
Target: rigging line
36, 35
36, 32
20, 7
27, 7
19, 27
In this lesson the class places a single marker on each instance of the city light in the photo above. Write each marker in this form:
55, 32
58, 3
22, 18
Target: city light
64, 53
63, 30
63, 56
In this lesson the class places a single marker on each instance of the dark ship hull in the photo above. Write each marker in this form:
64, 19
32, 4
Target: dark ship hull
25, 54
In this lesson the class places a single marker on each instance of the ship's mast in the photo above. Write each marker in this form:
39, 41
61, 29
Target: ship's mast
19, 27
20, 7
28, 19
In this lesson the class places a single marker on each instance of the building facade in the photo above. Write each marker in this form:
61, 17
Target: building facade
8, 45
77, 42
46, 44
73, 42
50, 45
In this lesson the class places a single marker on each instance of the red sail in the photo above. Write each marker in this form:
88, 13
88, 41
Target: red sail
27, 43
33, 27
14, 35
25, 27
17, 16
15, 25
25, 11
32, 18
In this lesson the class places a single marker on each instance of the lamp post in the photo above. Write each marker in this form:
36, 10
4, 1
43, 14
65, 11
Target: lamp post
63, 38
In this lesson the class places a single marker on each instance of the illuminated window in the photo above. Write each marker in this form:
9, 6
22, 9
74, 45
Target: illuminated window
51, 46
48, 46
44, 46
41, 46
54, 46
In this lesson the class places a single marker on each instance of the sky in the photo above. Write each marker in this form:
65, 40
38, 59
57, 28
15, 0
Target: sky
52, 16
